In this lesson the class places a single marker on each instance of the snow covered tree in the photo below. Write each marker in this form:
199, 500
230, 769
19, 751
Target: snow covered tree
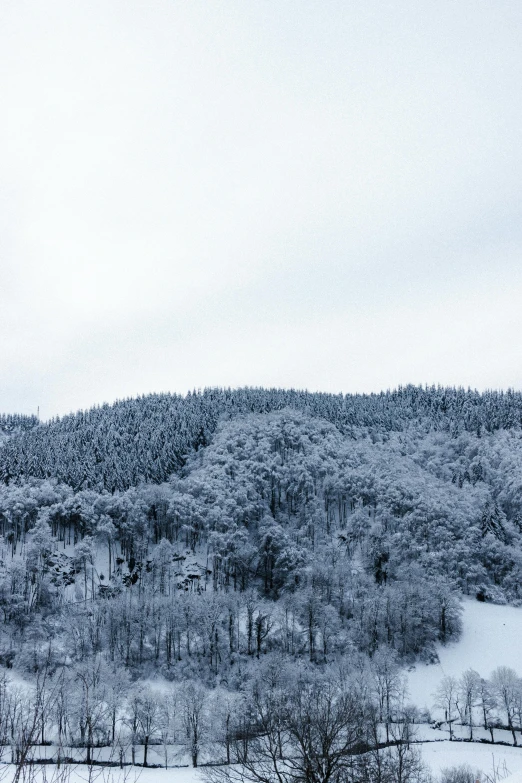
446, 698
506, 685
193, 700
469, 689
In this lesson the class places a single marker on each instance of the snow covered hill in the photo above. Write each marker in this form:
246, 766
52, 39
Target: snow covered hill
491, 637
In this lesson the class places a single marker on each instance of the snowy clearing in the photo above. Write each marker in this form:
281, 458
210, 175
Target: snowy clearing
491, 637
84, 774
438, 755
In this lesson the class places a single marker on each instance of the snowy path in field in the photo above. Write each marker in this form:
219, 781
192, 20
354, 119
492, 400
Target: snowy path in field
491, 637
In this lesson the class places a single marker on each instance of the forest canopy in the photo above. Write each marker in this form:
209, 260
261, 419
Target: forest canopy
117, 446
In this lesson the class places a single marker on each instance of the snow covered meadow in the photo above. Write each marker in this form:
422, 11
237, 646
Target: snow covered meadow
491, 637
82, 774
437, 756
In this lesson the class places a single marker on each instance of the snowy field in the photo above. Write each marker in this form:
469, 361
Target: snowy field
82, 774
491, 637
438, 755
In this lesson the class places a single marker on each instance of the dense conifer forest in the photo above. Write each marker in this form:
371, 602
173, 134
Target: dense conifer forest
221, 539
117, 446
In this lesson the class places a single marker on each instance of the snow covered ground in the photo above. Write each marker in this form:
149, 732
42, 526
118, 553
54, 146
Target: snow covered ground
83, 774
491, 637
438, 755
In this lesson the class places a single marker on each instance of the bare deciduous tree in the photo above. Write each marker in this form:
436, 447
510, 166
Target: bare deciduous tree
194, 704
446, 699
308, 733
506, 685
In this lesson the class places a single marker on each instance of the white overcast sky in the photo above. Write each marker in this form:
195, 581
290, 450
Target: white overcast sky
324, 195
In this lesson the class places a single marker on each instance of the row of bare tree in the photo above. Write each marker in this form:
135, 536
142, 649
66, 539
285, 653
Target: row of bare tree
497, 700
295, 725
